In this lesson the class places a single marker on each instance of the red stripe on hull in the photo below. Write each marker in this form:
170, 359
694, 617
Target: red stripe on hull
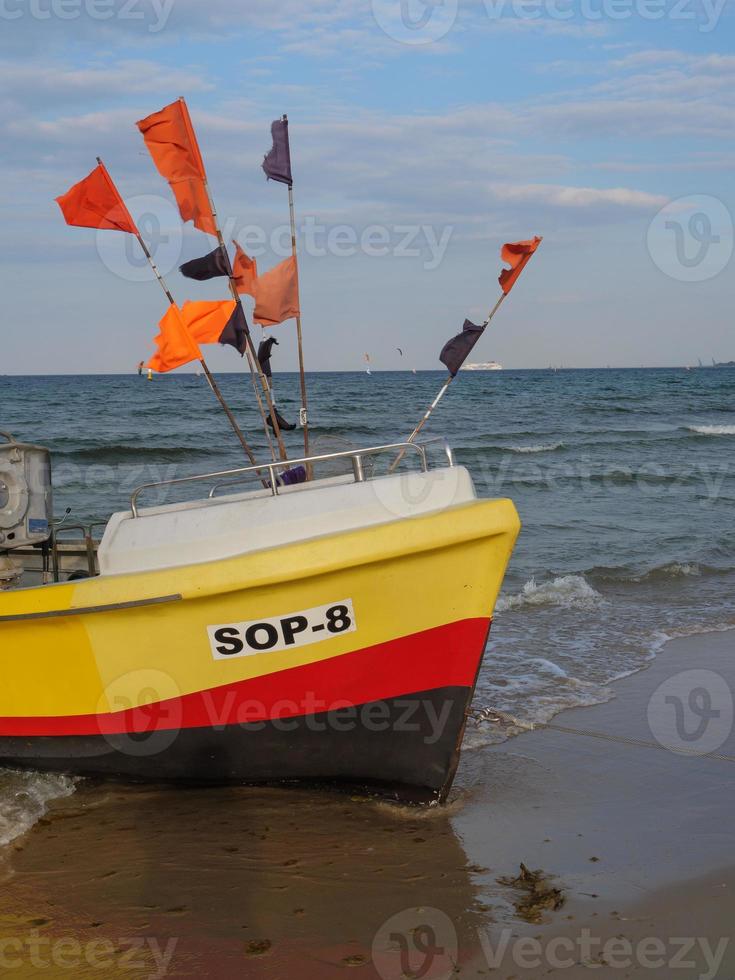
446, 656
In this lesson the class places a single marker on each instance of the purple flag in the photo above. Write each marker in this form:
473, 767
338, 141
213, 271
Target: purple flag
277, 164
455, 351
207, 267
236, 331
265, 352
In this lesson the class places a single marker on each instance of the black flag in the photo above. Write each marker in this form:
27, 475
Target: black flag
277, 164
265, 350
236, 331
455, 351
208, 266
264, 355
282, 423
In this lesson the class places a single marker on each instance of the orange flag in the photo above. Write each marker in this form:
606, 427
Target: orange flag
206, 319
516, 254
175, 344
96, 203
169, 136
216, 322
244, 271
277, 294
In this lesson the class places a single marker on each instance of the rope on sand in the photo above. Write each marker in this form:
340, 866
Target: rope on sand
508, 721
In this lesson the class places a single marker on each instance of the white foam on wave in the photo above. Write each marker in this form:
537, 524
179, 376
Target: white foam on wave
678, 569
661, 637
548, 667
713, 430
568, 591
24, 799
536, 711
550, 448
533, 698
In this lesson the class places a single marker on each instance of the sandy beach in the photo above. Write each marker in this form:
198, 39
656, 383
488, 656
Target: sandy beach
634, 841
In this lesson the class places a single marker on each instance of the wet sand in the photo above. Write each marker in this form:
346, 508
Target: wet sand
269, 883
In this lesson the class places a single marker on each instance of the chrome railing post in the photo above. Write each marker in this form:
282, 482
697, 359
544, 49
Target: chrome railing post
358, 469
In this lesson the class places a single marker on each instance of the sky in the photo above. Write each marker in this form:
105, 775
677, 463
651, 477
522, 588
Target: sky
424, 135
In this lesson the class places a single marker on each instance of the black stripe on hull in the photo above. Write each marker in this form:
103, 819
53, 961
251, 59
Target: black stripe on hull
404, 747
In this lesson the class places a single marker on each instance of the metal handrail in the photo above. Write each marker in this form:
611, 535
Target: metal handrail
448, 451
355, 455
224, 483
87, 542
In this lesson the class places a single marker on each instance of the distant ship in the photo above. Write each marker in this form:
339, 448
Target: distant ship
484, 366
718, 364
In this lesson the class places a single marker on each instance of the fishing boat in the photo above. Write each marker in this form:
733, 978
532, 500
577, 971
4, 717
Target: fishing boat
274, 623
328, 632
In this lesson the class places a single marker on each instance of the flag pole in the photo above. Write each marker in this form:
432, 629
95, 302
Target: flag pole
257, 393
252, 356
304, 413
207, 373
442, 393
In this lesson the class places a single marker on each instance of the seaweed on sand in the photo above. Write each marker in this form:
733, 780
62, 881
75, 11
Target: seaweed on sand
539, 895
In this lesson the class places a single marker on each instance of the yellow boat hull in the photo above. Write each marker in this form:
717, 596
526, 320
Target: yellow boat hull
348, 658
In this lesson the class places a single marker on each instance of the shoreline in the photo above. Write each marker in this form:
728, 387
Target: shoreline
432, 370
293, 882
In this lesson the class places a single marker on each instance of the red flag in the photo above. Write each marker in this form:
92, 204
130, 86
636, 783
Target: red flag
277, 294
175, 344
244, 271
169, 136
516, 254
96, 203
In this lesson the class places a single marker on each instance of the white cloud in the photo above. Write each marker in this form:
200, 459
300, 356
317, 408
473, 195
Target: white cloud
43, 84
580, 197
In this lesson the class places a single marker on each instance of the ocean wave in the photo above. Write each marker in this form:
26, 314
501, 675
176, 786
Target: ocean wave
24, 798
617, 476
669, 570
550, 448
567, 591
126, 454
674, 570
662, 637
712, 430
